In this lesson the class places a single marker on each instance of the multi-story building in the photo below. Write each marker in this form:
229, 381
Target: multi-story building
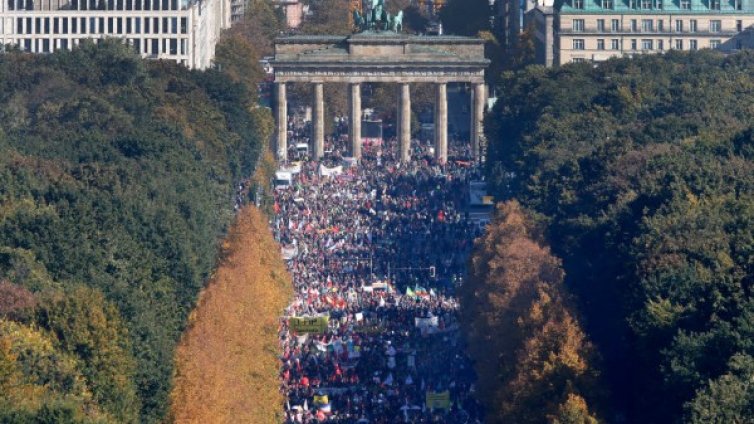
293, 11
182, 30
237, 10
541, 20
595, 30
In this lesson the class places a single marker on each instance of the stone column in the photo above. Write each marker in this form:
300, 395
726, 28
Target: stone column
319, 121
355, 124
479, 99
405, 122
282, 118
441, 123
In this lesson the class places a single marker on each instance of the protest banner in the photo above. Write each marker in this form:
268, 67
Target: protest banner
309, 324
330, 172
289, 252
438, 400
427, 325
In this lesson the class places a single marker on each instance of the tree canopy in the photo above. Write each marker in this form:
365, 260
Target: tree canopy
642, 171
117, 180
533, 360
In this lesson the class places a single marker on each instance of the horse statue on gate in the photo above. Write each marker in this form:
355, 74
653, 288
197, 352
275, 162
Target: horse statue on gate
377, 18
396, 22
358, 20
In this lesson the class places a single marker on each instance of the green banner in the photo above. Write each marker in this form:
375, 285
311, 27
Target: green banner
439, 400
309, 324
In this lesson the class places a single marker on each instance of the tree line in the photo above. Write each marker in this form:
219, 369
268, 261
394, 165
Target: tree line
117, 181
639, 174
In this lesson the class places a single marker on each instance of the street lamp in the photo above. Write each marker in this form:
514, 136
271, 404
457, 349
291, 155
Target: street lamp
492, 13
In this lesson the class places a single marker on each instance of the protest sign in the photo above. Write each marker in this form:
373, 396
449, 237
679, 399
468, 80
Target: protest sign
330, 172
427, 325
321, 399
438, 400
309, 324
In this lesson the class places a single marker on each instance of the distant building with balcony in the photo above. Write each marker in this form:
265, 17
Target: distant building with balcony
181, 30
595, 30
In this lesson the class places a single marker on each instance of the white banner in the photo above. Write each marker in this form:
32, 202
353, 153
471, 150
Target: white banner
289, 252
427, 325
330, 172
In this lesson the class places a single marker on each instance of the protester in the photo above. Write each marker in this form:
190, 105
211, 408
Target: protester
376, 252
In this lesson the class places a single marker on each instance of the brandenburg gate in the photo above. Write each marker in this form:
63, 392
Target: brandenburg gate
386, 57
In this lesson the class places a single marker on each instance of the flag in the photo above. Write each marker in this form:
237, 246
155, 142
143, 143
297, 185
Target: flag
420, 291
409, 292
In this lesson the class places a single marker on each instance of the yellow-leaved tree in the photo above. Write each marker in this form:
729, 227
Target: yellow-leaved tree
534, 362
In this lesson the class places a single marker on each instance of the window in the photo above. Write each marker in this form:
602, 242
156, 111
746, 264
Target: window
647, 45
615, 25
578, 25
686, 4
714, 4
660, 45
578, 44
715, 26
578, 4
634, 25
679, 26
739, 26
660, 25
737, 4
658, 4
692, 45
633, 44
607, 4
600, 25
679, 44
647, 25
646, 4
578, 60
713, 44
615, 44
692, 25
632, 4
600, 44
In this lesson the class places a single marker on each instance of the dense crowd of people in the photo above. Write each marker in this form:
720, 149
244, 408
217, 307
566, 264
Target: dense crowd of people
376, 252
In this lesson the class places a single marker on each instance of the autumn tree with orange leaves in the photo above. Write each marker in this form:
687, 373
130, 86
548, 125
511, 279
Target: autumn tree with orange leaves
534, 362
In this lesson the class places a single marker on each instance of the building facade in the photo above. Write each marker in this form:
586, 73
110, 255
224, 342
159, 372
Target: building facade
541, 21
596, 30
237, 10
293, 11
182, 30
